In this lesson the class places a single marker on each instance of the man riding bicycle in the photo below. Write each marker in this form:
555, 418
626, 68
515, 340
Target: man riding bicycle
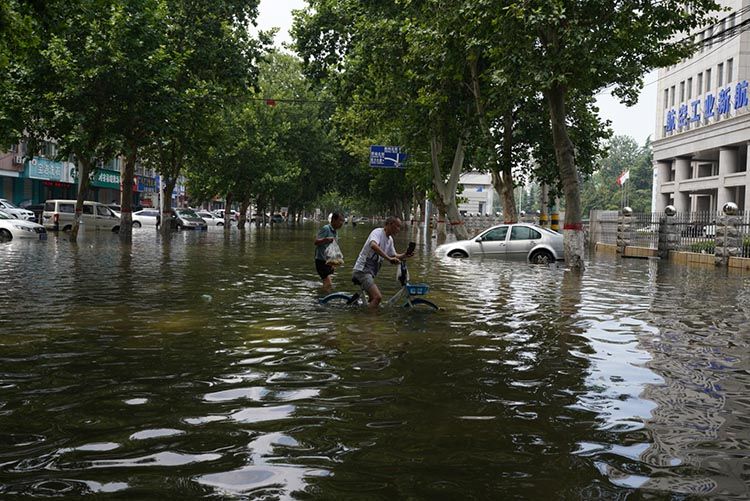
379, 246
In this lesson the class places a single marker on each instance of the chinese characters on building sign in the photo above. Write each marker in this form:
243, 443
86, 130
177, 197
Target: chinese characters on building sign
713, 107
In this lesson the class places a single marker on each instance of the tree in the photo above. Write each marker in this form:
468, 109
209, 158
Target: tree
575, 49
421, 103
215, 62
600, 190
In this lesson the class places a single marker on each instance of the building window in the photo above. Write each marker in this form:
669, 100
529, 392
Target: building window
672, 94
708, 80
730, 68
682, 91
709, 33
720, 74
689, 89
699, 84
700, 41
666, 98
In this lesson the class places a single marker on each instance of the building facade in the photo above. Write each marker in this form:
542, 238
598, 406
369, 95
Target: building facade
703, 120
478, 194
25, 181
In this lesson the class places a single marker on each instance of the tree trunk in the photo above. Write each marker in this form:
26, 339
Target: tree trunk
84, 180
446, 191
228, 211
126, 196
242, 218
440, 229
501, 170
574, 242
166, 216
544, 204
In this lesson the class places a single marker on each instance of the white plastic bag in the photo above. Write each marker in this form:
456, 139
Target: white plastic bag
334, 256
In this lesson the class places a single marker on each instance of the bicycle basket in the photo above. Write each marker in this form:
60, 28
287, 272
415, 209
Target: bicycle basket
417, 289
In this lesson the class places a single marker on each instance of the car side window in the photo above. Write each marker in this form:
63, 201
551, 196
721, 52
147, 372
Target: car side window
88, 209
67, 208
103, 211
495, 235
524, 233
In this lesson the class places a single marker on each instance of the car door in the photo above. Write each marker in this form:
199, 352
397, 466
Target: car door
492, 241
105, 218
88, 217
521, 240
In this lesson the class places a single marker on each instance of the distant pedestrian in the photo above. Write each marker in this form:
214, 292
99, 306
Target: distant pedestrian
326, 236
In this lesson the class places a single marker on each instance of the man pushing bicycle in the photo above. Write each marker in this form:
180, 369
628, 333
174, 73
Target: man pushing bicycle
378, 247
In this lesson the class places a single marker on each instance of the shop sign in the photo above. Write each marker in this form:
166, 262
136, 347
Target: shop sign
146, 184
45, 169
103, 178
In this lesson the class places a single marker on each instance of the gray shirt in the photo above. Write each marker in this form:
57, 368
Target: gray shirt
326, 231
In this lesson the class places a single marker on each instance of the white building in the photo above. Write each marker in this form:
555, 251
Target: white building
703, 120
479, 193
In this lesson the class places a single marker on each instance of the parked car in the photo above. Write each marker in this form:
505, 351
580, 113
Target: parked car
145, 217
117, 209
535, 243
37, 209
277, 218
16, 212
233, 214
11, 227
211, 218
60, 215
187, 219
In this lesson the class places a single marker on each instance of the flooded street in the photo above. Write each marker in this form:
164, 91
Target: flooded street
204, 366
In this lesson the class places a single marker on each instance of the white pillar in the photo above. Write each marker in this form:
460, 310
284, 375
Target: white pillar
727, 165
663, 170
682, 173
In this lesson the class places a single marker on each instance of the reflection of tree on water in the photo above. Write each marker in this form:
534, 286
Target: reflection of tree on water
472, 401
678, 391
700, 404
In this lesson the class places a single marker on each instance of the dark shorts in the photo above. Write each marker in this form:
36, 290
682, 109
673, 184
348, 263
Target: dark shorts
323, 269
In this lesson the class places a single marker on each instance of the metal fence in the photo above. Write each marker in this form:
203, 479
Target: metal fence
697, 230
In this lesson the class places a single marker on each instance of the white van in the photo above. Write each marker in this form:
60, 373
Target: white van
60, 215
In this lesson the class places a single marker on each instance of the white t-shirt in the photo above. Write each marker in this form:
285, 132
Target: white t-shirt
368, 260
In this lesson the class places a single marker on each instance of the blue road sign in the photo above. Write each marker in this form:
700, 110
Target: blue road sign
387, 157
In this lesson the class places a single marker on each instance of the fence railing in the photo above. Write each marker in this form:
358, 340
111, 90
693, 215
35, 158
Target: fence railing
697, 230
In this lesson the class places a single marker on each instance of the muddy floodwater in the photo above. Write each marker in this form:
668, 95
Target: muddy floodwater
203, 366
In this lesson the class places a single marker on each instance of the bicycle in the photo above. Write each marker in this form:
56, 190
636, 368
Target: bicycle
407, 290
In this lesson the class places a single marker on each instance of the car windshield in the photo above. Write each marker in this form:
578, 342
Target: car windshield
8, 204
187, 214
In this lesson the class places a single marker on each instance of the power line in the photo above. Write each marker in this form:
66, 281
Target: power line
736, 30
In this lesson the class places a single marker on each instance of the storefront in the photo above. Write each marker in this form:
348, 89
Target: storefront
46, 179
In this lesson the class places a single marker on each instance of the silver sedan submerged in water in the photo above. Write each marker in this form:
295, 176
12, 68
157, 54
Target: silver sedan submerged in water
524, 240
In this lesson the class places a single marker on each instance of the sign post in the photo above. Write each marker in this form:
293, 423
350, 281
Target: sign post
387, 157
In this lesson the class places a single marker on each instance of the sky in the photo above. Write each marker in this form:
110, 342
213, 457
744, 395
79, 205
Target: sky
638, 121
